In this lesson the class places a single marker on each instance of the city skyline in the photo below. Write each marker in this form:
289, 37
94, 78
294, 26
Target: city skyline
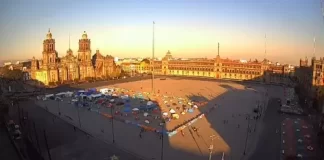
186, 28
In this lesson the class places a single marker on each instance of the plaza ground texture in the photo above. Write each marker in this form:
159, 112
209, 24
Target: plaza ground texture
234, 102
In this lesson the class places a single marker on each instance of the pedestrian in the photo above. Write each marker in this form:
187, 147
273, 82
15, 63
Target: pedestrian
182, 133
140, 135
74, 128
238, 126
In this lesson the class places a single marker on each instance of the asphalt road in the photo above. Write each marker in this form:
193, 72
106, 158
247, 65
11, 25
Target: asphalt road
64, 142
268, 146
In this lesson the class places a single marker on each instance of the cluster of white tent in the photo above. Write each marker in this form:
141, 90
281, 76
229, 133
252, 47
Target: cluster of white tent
108, 91
58, 95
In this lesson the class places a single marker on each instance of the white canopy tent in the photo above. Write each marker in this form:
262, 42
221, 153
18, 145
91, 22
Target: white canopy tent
172, 111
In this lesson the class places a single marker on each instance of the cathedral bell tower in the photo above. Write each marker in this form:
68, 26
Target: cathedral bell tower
84, 57
49, 52
84, 52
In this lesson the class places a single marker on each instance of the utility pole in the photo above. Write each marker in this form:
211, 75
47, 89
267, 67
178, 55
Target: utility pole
211, 146
153, 60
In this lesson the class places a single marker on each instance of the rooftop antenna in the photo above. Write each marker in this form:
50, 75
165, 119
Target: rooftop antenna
69, 41
265, 46
218, 49
153, 59
314, 47
322, 7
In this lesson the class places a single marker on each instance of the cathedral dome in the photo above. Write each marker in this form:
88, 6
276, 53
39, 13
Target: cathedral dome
84, 35
49, 34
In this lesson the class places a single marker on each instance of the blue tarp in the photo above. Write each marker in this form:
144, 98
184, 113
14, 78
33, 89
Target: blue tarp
127, 110
127, 105
92, 90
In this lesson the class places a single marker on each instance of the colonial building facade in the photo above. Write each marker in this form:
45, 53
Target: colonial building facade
217, 68
311, 82
52, 68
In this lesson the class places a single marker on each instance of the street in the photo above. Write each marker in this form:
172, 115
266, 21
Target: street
64, 142
268, 146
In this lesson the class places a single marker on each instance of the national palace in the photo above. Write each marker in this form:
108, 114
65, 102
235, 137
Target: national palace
217, 67
82, 66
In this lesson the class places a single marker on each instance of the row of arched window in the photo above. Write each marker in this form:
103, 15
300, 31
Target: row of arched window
241, 71
188, 72
191, 68
241, 66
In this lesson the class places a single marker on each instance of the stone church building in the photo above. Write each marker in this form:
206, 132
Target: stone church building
82, 66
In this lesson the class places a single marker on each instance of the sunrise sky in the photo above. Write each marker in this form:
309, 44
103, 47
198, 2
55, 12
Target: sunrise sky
188, 28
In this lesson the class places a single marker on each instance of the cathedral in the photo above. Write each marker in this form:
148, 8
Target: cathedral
83, 66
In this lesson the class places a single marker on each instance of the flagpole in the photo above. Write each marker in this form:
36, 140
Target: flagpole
153, 59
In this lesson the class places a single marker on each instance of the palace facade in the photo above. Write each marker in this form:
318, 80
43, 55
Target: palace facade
70, 67
218, 68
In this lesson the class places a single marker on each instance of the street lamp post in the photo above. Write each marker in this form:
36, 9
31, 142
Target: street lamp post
58, 106
153, 59
211, 146
247, 134
112, 123
79, 116
162, 135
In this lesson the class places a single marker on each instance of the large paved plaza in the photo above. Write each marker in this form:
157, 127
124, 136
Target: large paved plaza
228, 122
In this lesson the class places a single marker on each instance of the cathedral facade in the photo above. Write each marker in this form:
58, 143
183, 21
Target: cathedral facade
83, 66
